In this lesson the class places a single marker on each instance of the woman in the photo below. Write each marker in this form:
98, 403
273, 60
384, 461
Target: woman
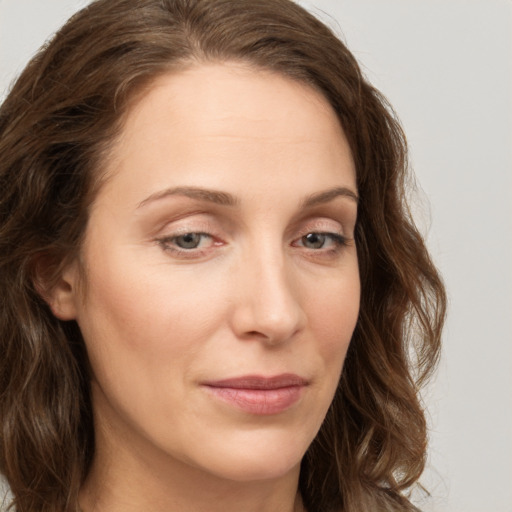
211, 283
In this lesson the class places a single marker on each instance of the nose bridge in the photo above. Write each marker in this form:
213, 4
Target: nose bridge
269, 303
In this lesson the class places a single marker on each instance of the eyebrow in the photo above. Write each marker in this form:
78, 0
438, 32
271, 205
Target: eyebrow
212, 196
226, 199
328, 195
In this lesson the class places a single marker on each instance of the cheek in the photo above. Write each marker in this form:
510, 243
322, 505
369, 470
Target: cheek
333, 315
333, 318
144, 325
144, 332
136, 295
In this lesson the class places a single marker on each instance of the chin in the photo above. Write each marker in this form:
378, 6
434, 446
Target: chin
264, 457
247, 468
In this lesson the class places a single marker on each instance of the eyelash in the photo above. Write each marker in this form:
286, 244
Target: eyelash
169, 244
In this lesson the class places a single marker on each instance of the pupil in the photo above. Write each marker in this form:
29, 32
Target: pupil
188, 241
314, 240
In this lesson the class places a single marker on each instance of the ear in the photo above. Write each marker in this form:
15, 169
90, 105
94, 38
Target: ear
58, 286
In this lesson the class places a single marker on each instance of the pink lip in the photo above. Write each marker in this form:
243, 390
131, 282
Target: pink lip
259, 395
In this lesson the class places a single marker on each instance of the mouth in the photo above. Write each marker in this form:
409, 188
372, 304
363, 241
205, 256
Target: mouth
259, 395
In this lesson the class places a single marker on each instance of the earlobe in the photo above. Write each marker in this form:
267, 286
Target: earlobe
57, 287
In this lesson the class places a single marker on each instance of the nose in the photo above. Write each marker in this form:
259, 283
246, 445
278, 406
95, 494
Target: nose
268, 305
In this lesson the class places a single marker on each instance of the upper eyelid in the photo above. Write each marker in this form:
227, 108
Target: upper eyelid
186, 225
318, 224
212, 223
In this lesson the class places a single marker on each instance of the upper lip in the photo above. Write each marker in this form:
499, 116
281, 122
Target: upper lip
284, 380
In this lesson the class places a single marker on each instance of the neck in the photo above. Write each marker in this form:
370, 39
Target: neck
128, 476
130, 491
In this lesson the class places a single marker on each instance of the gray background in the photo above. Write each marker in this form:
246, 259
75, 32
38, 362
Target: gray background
446, 66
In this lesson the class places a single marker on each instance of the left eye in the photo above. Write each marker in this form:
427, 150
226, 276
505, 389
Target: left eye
321, 240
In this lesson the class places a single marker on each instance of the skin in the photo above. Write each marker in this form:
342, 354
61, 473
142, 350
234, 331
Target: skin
265, 292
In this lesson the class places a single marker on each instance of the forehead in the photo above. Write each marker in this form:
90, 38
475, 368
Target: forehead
226, 96
231, 119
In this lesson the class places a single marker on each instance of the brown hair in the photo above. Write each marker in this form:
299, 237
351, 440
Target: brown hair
55, 129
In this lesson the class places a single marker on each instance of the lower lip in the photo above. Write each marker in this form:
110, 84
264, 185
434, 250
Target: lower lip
262, 402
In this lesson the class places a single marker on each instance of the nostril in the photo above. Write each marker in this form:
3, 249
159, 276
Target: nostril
258, 335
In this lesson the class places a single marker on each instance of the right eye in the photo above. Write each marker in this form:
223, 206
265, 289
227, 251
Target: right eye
190, 240
187, 244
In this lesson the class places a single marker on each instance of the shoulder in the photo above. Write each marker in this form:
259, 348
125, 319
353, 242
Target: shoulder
5, 494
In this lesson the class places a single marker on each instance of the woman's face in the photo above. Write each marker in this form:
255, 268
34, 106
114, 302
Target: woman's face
222, 284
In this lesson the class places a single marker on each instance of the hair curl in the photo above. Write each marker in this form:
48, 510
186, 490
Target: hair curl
56, 126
